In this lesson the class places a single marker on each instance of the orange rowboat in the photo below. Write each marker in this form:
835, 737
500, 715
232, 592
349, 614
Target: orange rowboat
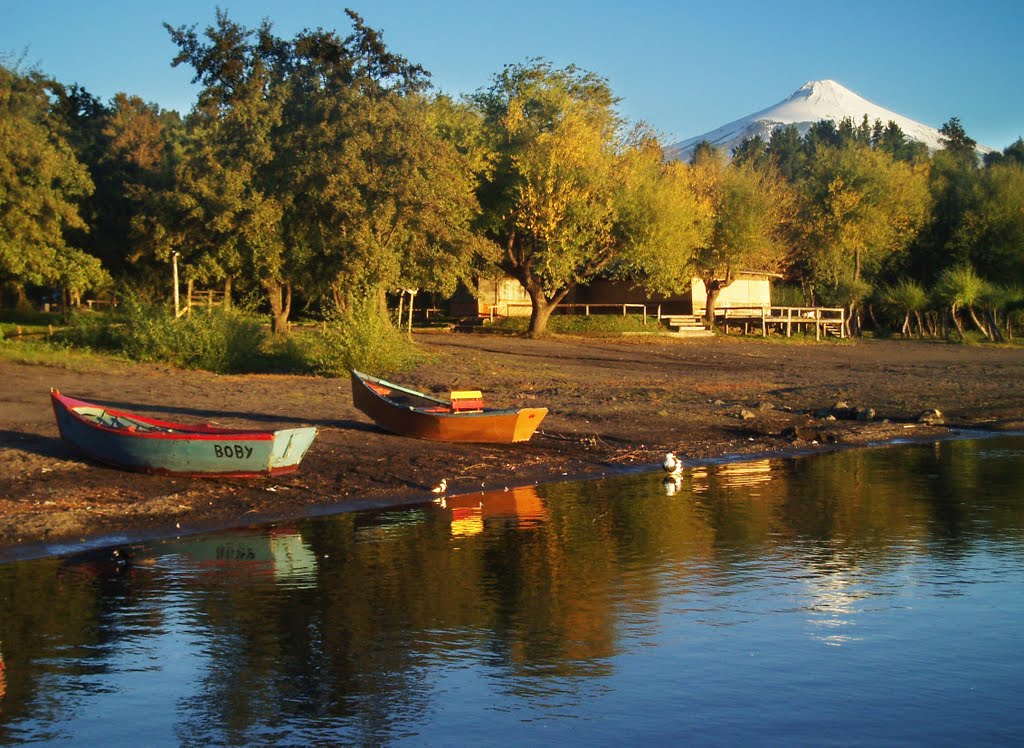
463, 418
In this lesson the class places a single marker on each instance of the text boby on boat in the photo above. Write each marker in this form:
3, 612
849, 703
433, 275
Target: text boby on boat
147, 445
462, 419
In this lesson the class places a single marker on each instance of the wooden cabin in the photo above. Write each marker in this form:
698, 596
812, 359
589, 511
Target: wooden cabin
750, 290
506, 297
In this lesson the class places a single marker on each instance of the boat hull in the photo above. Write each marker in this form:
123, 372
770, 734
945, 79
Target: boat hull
152, 446
485, 427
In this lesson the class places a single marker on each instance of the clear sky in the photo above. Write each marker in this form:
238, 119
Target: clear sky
684, 67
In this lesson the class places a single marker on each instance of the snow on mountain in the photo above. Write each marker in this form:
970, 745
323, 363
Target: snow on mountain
812, 102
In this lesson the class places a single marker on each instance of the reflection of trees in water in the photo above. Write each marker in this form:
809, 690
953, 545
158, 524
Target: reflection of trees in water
63, 619
342, 624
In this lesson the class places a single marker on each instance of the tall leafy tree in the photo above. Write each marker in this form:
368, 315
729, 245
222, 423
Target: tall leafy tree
560, 200
381, 175
954, 185
1013, 152
664, 219
956, 140
891, 139
137, 167
752, 209
859, 207
753, 151
994, 226
315, 165
228, 197
41, 184
786, 149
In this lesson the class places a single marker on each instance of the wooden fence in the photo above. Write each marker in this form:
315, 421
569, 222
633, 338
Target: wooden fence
502, 310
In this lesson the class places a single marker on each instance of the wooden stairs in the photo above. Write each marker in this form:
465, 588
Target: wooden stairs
687, 326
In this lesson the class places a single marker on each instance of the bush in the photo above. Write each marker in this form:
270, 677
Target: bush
362, 338
223, 341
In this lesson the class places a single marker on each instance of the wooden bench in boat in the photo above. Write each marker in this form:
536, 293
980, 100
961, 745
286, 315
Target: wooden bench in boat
466, 401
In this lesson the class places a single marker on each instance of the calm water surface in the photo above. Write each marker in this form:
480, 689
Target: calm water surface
862, 597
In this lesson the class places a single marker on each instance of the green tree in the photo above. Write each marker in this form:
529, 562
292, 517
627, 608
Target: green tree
41, 184
752, 210
228, 199
956, 141
891, 139
561, 197
907, 297
381, 175
994, 225
662, 219
953, 182
859, 207
703, 150
1013, 153
787, 152
317, 165
753, 151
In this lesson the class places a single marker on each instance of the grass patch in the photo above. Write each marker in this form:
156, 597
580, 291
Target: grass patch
44, 353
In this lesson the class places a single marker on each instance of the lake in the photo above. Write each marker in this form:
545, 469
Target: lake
870, 596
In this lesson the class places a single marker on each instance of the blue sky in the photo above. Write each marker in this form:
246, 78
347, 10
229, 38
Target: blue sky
684, 67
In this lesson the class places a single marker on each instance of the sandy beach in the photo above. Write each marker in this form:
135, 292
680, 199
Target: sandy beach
615, 404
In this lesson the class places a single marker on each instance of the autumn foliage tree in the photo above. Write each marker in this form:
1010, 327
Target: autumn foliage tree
563, 193
752, 209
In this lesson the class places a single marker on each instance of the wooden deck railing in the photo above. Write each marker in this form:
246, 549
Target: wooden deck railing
787, 318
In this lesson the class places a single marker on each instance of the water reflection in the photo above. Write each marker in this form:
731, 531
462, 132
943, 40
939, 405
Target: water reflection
627, 605
512, 507
277, 553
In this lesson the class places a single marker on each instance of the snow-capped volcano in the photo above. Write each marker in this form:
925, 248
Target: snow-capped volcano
812, 102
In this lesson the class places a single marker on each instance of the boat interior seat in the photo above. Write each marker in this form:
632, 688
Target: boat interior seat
467, 400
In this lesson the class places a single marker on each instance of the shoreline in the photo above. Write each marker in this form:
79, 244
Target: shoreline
398, 501
616, 406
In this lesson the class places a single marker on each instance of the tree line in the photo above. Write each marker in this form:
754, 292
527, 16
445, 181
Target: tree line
320, 173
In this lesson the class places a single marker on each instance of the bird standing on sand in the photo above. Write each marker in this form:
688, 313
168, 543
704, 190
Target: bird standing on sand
441, 487
672, 464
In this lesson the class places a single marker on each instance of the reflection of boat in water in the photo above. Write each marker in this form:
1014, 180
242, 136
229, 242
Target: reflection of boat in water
278, 552
464, 418
519, 505
742, 474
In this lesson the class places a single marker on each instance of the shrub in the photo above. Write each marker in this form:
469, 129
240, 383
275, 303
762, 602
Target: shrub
362, 338
223, 341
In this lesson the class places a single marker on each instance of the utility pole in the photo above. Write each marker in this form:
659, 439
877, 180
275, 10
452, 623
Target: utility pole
412, 296
177, 305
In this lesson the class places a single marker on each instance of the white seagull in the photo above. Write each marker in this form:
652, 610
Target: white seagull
672, 464
441, 487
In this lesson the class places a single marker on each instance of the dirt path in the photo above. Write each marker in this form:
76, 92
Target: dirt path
614, 403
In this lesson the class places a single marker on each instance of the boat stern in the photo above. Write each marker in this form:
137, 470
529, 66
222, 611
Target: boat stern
527, 423
290, 446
